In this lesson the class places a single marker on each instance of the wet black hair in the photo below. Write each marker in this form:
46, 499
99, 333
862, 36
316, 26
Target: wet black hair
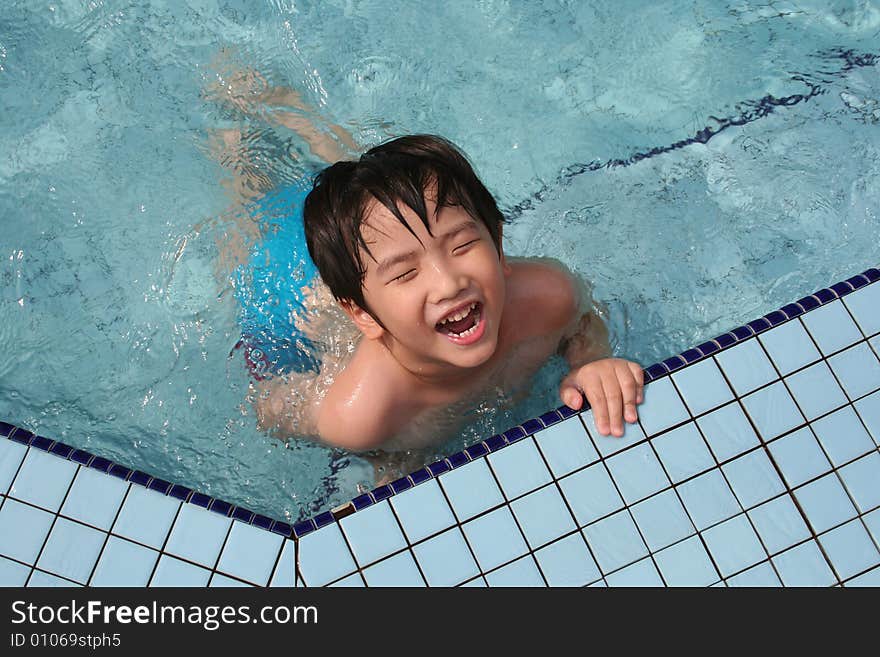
399, 170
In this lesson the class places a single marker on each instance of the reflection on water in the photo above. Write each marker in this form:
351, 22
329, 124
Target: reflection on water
132, 150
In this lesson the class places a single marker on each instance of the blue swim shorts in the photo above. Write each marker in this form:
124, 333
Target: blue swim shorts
268, 287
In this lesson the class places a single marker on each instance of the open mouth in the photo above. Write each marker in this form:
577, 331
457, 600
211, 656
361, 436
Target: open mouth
464, 328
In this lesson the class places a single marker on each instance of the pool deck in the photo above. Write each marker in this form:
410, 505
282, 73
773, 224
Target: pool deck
754, 462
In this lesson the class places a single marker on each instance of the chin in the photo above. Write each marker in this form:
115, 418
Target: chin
477, 355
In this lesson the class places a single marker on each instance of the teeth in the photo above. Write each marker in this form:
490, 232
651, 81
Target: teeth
460, 315
468, 332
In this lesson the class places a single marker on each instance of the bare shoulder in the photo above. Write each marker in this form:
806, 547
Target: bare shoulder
364, 406
544, 293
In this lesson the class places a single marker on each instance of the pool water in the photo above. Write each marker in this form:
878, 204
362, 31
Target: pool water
700, 163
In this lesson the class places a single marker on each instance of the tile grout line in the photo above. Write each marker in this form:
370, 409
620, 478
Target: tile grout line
52, 525
108, 533
764, 444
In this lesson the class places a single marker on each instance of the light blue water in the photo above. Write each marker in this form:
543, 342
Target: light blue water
116, 320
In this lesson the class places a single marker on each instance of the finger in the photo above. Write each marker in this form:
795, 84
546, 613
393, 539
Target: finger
596, 395
614, 401
629, 389
639, 374
570, 393
571, 396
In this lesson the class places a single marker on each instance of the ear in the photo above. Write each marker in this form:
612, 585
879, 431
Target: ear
362, 319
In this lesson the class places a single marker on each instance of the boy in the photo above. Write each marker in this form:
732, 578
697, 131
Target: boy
409, 242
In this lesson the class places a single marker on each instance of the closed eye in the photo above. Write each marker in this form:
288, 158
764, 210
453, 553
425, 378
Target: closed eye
403, 276
466, 244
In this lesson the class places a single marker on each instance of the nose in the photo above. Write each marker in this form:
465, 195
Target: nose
447, 282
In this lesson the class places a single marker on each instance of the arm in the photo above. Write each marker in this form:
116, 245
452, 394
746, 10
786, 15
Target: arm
586, 338
287, 406
612, 386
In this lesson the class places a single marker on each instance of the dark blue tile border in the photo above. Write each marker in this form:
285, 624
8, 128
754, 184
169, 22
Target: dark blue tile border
492, 444
458, 459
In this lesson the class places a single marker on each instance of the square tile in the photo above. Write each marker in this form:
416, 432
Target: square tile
566, 446
728, 432
864, 304
422, 510
641, 573
399, 570
471, 489
686, 564
662, 519
857, 369
607, 445
173, 572
799, 457
519, 468
702, 386
662, 407
445, 559
568, 562
761, 575
13, 573
772, 411
790, 347
746, 366
753, 478
825, 503
219, 580
11, 456
590, 494
352, 581
872, 522
734, 545
43, 479
373, 533
850, 549
94, 498
860, 479
871, 578
285, 569
146, 516
843, 436
615, 541
637, 473
831, 327
123, 563
779, 524
683, 452
250, 553
543, 516
324, 556
815, 390
804, 565
495, 538
45, 580
522, 572
198, 535
476, 583
23, 529
708, 499
868, 409
72, 550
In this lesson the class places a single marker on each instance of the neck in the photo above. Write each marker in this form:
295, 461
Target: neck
431, 374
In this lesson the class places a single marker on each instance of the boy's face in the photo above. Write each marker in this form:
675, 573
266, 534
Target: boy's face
413, 287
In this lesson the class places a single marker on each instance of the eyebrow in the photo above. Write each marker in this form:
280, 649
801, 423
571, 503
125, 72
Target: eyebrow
389, 263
